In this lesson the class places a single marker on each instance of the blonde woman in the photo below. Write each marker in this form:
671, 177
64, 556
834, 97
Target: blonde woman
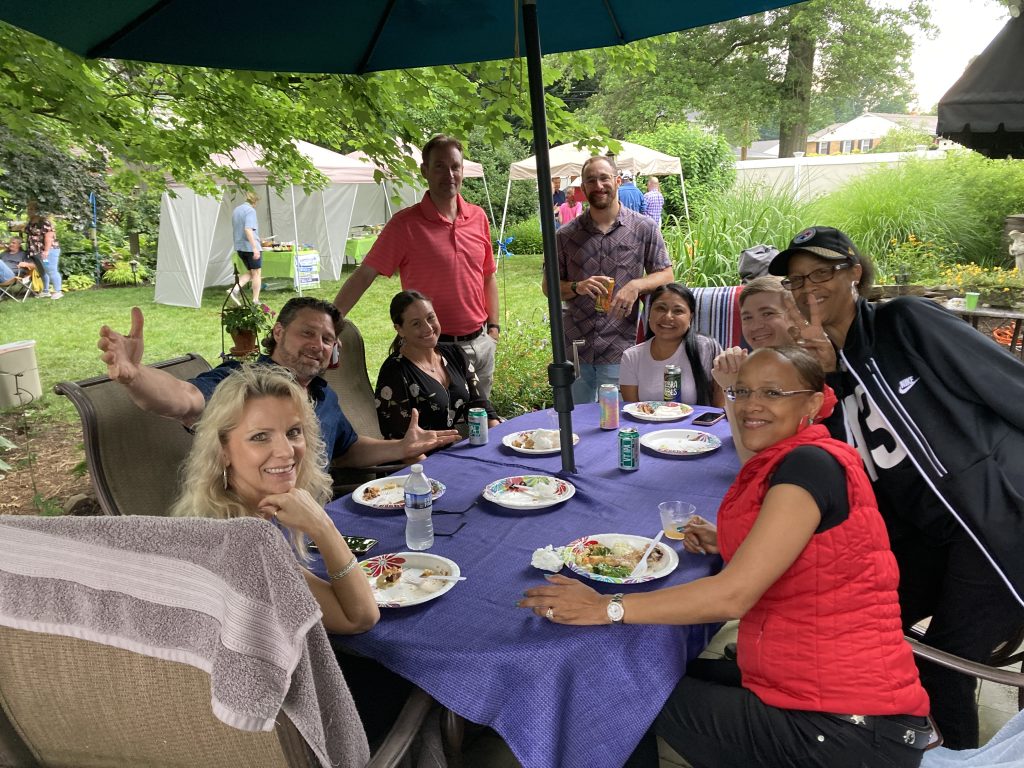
258, 452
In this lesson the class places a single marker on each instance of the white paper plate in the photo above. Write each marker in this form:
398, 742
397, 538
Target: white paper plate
402, 594
661, 411
680, 442
519, 437
390, 492
668, 563
529, 491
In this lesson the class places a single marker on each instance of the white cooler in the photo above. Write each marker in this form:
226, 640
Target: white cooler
19, 374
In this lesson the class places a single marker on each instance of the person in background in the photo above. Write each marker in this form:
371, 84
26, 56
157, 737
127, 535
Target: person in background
421, 376
44, 250
671, 340
571, 208
557, 198
936, 411
257, 453
823, 675
246, 230
654, 200
629, 195
14, 261
609, 253
442, 247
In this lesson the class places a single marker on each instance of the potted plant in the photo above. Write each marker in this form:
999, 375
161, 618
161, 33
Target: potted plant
246, 323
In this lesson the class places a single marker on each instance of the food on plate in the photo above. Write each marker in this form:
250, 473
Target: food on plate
375, 491
547, 559
616, 561
389, 576
428, 584
659, 410
538, 440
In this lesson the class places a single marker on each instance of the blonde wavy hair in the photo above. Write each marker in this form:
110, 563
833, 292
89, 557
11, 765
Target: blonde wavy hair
203, 473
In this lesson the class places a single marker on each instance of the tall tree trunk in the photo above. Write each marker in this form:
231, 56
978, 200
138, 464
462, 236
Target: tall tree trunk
795, 102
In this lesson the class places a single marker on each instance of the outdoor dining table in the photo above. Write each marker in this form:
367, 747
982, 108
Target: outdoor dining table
558, 695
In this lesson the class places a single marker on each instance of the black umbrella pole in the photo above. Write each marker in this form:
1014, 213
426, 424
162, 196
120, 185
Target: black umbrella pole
560, 372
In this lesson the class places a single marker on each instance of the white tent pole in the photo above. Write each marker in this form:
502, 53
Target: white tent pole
487, 193
682, 186
504, 212
295, 233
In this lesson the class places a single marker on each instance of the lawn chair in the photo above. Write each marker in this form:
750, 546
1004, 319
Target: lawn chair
133, 456
351, 383
17, 288
166, 653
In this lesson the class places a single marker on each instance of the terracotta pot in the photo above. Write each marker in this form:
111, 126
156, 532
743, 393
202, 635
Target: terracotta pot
245, 343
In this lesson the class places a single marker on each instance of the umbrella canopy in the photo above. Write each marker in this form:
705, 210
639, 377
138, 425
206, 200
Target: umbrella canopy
329, 36
984, 110
567, 160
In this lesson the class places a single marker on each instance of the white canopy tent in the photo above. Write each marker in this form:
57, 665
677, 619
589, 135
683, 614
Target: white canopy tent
374, 204
196, 241
567, 161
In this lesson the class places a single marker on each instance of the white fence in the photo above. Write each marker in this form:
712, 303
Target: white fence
810, 177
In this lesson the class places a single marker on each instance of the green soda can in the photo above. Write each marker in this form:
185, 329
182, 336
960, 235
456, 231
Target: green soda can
629, 448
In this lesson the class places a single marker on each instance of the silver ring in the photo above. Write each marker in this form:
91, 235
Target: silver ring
549, 614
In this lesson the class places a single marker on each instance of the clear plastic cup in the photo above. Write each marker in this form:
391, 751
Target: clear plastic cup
674, 517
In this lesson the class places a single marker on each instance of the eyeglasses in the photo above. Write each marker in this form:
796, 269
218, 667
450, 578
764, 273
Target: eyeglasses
822, 275
770, 394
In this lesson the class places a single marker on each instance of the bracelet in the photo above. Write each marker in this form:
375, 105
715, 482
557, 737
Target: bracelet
493, 327
344, 571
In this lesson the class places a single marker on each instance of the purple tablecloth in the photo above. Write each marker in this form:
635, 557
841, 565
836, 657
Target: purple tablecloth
558, 695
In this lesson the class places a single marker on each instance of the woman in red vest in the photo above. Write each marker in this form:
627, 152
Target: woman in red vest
825, 677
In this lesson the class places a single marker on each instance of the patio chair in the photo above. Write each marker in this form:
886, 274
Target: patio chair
77, 690
351, 383
133, 456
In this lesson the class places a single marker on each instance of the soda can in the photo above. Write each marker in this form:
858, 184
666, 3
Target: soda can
608, 397
477, 426
603, 302
629, 448
673, 384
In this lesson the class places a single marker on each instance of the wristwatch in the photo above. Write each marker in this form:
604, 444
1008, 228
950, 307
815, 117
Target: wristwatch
615, 610
573, 288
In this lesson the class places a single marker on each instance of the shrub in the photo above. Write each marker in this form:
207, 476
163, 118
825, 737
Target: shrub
521, 368
527, 237
77, 262
79, 283
708, 164
121, 274
922, 261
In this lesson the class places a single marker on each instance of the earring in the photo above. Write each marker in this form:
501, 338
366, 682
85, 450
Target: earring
810, 420
224, 475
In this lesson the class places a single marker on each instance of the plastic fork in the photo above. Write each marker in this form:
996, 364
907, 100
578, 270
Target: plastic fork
641, 568
417, 580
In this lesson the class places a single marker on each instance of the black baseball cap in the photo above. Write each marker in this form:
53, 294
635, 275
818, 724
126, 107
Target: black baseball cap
826, 242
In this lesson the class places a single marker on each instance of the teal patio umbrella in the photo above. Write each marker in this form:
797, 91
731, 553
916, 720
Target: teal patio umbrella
371, 35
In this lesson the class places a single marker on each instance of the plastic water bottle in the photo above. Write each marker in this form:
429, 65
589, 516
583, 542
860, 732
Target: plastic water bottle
419, 526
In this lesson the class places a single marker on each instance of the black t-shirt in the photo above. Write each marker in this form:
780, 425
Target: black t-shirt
819, 473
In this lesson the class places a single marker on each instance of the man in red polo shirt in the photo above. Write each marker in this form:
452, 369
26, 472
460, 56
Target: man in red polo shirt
442, 248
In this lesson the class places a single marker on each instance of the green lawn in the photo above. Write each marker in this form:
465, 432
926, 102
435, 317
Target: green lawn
66, 331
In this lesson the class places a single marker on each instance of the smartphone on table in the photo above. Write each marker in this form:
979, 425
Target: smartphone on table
707, 419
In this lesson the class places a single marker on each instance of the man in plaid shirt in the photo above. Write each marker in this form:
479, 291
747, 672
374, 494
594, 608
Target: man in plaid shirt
655, 200
608, 242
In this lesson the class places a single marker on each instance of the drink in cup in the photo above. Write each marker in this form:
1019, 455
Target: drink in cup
971, 300
674, 517
603, 302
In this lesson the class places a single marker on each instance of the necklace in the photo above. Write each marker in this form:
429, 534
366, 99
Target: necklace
425, 365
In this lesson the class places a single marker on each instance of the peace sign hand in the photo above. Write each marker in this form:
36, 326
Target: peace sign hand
810, 334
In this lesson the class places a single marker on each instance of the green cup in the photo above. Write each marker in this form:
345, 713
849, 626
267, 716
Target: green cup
971, 301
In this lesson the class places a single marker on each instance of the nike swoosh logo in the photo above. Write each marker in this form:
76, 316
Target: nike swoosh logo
907, 384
